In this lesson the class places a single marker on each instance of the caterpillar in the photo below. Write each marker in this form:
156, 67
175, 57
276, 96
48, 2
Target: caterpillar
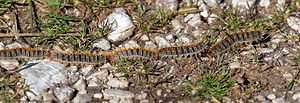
193, 50
240, 37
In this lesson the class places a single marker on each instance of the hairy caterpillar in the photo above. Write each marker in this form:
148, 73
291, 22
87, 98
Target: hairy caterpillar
132, 53
25, 53
240, 37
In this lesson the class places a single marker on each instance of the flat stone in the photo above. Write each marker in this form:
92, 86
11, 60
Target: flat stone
98, 95
278, 100
145, 38
9, 64
188, 17
99, 75
265, 50
195, 21
85, 70
124, 100
296, 97
80, 85
243, 4
131, 44
82, 98
294, 23
150, 45
141, 96
177, 24
234, 65
162, 43
49, 98
121, 24
64, 93
41, 74
183, 40
115, 100
144, 101
116, 93
114, 82
102, 44
171, 5
260, 98
264, 3
271, 96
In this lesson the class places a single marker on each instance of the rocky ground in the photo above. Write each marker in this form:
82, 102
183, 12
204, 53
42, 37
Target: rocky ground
260, 71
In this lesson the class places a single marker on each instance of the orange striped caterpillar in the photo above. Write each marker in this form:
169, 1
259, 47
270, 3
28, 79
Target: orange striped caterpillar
194, 50
240, 37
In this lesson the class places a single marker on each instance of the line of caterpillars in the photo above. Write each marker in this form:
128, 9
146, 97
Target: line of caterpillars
193, 50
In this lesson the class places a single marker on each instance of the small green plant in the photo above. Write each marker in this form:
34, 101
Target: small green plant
211, 85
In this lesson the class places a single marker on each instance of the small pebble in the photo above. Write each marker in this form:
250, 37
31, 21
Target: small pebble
271, 96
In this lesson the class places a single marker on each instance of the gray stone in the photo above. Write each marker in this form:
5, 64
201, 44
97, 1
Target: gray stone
121, 25
265, 50
124, 100
41, 74
114, 82
264, 3
102, 44
2, 46
99, 75
98, 95
277, 38
188, 17
131, 44
183, 40
80, 85
171, 5
195, 21
267, 101
82, 98
278, 100
49, 97
116, 93
271, 96
260, 98
281, 2
150, 45
145, 38
212, 3
158, 92
162, 43
243, 4
141, 96
296, 97
115, 100
9, 64
212, 18
85, 70
177, 24
144, 101
234, 65
64, 93
14, 45
294, 23
31, 96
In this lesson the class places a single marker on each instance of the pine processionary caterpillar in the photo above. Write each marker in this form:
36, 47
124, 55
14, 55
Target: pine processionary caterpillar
234, 39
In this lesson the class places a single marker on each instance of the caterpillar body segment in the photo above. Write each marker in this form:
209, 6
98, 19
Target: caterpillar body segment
26, 53
235, 38
134, 53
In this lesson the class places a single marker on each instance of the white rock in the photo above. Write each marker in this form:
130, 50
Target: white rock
14, 45
114, 82
177, 24
116, 93
2, 46
131, 44
162, 43
49, 97
145, 38
264, 3
98, 95
99, 75
144, 101
121, 24
281, 2
31, 96
141, 96
212, 18
198, 33
296, 97
243, 4
195, 21
278, 100
115, 100
92, 83
80, 85
41, 74
265, 50
212, 3
188, 17
277, 38
204, 8
87, 69
9, 64
294, 23
102, 44
234, 65
260, 98
124, 100
64, 94
150, 45
82, 98
271, 96
183, 40
171, 5
170, 37
158, 92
